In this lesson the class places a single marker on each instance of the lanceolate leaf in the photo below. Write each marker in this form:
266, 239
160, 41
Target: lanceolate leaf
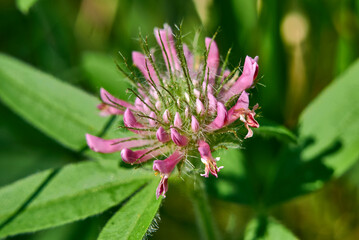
267, 228
135, 217
55, 197
332, 120
58, 109
328, 141
269, 129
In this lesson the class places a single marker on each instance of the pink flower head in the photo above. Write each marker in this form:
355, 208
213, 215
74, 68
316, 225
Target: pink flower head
179, 112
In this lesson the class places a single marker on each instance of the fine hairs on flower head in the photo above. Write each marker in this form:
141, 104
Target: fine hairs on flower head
184, 110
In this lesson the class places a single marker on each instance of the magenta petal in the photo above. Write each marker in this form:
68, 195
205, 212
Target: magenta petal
130, 121
151, 120
178, 121
162, 187
107, 98
221, 118
140, 156
207, 159
165, 35
194, 124
113, 145
178, 139
199, 107
162, 135
245, 81
249, 133
140, 61
212, 103
166, 166
213, 59
239, 108
108, 110
166, 116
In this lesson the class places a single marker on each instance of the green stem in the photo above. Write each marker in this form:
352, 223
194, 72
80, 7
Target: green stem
208, 229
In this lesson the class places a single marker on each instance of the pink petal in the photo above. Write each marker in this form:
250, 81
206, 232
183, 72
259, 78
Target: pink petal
212, 103
239, 108
113, 145
169, 47
199, 107
178, 120
145, 106
162, 135
166, 116
107, 98
107, 110
178, 139
158, 105
251, 121
140, 156
207, 159
245, 81
140, 61
250, 132
221, 118
130, 121
194, 124
212, 60
151, 121
139, 104
166, 166
162, 187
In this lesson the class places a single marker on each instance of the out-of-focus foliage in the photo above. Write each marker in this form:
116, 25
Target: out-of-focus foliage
303, 46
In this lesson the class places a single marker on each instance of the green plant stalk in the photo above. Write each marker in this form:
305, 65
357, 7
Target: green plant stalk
205, 221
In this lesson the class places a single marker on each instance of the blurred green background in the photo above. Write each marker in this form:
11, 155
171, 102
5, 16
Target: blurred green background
302, 46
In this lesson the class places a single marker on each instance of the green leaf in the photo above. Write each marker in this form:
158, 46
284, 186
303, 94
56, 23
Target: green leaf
25, 5
100, 69
328, 141
135, 217
267, 228
62, 111
295, 177
56, 197
269, 129
332, 119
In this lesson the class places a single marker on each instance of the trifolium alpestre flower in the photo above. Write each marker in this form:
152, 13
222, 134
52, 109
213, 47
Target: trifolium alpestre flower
191, 108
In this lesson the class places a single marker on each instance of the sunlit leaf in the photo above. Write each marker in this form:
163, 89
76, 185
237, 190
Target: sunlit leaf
25, 5
328, 144
332, 119
62, 111
268, 129
135, 217
266, 228
56, 197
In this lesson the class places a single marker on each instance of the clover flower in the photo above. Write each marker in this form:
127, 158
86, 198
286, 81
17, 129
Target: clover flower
193, 106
